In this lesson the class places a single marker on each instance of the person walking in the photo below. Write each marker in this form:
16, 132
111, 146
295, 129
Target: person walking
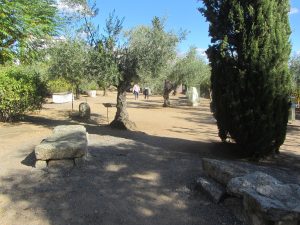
136, 90
146, 92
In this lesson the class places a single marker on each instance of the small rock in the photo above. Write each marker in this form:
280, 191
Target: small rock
64, 163
210, 187
84, 110
40, 164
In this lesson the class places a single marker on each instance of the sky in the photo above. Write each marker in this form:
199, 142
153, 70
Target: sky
180, 14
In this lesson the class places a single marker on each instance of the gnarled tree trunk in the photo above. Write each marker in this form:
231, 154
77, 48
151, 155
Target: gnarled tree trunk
168, 87
121, 120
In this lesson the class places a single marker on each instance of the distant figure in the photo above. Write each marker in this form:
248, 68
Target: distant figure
136, 90
146, 92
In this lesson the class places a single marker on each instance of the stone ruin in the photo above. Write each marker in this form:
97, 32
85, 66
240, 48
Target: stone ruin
84, 111
65, 148
254, 196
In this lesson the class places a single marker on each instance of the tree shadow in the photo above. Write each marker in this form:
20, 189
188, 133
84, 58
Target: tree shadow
129, 178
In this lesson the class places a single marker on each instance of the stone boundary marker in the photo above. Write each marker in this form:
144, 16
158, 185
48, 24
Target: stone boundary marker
265, 200
66, 147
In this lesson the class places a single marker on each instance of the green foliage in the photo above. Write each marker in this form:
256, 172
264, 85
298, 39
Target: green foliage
250, 77
21, 90
68, 61
154, 48
22, 24
58, 85
89, 85
102, 64
295, 71
190, 70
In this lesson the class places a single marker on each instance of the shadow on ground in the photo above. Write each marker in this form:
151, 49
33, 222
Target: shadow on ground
130, 178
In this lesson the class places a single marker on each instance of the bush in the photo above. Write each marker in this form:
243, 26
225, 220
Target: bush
21, 90
58, 85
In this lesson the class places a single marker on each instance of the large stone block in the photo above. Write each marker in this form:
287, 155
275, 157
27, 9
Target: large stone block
223, 171
266, 199
66, 142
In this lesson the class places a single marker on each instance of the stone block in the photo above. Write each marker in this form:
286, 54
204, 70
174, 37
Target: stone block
84, 110
63, 163
267, 200
223, 171
40, 164
214, 190
66, 142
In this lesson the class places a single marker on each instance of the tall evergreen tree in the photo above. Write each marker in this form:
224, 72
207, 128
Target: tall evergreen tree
249, 54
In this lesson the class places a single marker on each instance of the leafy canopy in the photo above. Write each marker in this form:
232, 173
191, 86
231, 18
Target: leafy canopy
22, 23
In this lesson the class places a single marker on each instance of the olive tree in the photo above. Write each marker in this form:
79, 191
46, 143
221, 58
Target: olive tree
149, 50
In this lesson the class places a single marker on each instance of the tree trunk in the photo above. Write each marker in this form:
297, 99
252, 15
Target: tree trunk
77, 91
168, 87
104, 91
121, 120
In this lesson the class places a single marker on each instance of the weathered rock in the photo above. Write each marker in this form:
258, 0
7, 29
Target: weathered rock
266, 199
223, 171
84, 110
66, 142
193, 96
40, 164
68, 128
61, 164
214, 190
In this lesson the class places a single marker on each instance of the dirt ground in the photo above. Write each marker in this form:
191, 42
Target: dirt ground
137, 178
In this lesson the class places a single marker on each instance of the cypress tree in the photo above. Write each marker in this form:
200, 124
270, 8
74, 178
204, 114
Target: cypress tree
249, 55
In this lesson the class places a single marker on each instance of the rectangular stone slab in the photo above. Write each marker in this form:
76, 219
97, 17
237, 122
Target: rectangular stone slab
66, 142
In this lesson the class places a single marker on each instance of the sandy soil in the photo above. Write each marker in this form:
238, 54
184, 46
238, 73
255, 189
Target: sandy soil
139, 177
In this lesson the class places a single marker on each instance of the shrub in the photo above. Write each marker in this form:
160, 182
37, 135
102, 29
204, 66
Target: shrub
58, 85
21, 90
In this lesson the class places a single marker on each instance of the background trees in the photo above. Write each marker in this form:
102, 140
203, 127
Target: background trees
68, 60
190, 70
295, 71
249, 54
102, 65
148, 52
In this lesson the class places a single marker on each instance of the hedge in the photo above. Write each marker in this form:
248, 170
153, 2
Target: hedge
21, 90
